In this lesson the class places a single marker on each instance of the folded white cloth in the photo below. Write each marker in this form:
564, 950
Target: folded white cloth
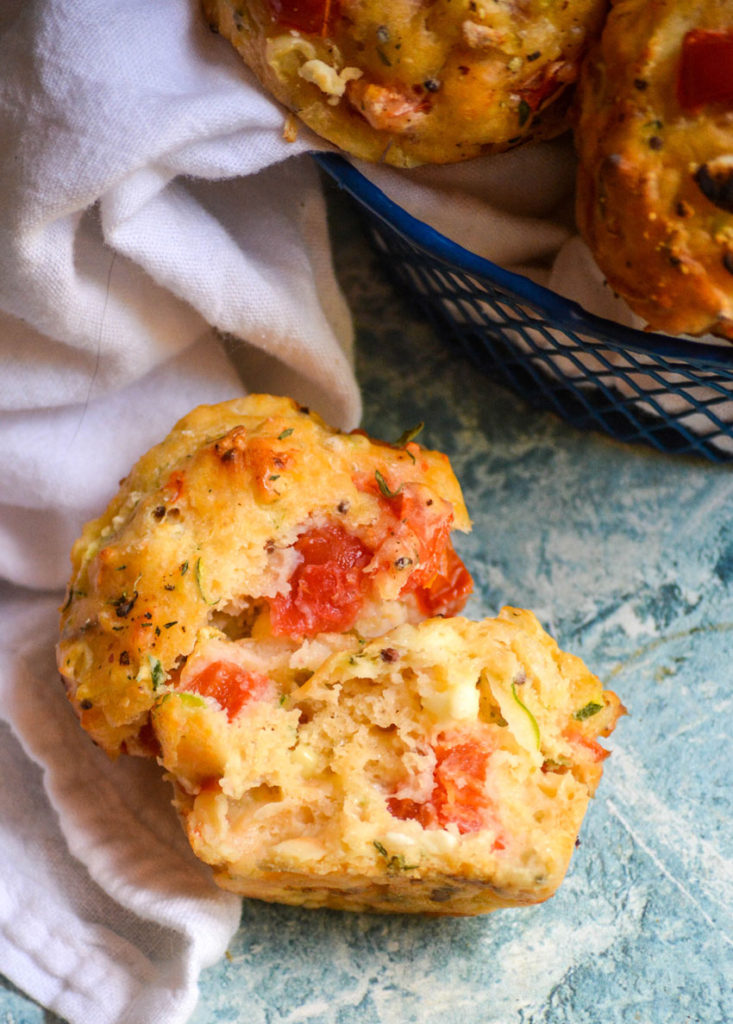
149, 207
132, 221
513, 208
104, 914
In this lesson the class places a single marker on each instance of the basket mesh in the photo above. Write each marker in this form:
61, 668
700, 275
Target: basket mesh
672, 394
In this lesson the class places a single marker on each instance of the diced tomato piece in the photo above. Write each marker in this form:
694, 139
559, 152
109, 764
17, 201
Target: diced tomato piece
592, 746
311, 16
459, 794
459, 790
327, 588
440, 581
230, 685
706, 69
410, 810
388, 108
432, 532
449, 589
548, 81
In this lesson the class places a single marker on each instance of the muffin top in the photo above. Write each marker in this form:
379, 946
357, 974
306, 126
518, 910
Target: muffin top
655, 145
252, 518
408, 83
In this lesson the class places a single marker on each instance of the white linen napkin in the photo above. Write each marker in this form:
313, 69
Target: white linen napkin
149, 206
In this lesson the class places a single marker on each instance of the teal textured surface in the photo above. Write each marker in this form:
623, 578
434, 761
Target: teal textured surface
626, 555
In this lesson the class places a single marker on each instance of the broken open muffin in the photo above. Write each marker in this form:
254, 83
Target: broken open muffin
443, 768
251, 519
270, 608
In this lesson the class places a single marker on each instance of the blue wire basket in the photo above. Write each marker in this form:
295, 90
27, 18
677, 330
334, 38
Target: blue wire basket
668, 392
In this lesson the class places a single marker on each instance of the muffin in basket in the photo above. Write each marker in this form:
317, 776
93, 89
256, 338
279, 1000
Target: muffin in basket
655, 144
409, 83
269, 607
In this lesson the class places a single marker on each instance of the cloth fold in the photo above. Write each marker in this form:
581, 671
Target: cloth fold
161, 246
104, 916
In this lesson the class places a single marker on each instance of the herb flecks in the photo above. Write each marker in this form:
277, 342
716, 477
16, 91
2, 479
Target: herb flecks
395, 861
588, 710
408, 435
384, 486
157, 672
123, 605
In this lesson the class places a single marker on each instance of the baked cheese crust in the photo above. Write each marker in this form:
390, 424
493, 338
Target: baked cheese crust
406, 83
655, 142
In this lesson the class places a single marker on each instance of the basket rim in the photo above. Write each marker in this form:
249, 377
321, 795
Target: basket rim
564, 313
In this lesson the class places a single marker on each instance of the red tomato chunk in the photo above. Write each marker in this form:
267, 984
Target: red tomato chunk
230, 685
459, 791
706, 69
440, 581
327, 588
310, 16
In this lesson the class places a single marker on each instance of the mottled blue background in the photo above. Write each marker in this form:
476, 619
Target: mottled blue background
626, 555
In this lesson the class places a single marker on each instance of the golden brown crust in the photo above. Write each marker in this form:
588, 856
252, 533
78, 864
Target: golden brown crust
406, 83
657, 232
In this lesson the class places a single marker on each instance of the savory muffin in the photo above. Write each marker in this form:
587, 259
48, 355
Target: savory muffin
655, 142
442, 768
409, 83
269, 607
252, 520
